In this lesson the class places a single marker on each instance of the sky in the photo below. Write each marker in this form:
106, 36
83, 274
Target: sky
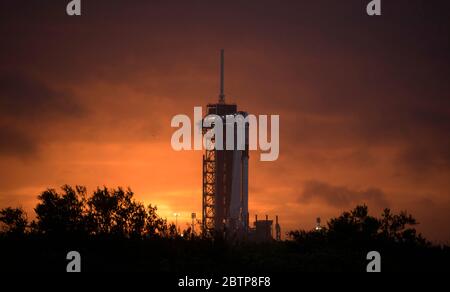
364, 102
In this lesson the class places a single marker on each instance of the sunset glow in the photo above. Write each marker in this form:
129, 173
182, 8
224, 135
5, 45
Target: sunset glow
364, 106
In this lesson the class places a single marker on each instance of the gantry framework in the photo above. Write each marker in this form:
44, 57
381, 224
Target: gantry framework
209, 191
225, 177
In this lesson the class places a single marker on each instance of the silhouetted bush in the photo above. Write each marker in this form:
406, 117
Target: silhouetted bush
358, 228
114, 232
71, 212
14, 221
61, 213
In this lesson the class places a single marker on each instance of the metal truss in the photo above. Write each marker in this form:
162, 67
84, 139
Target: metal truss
209, 191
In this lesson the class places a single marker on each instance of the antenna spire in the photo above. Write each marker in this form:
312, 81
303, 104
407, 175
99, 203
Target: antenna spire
222, 72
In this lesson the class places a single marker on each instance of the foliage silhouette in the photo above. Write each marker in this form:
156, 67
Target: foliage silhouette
358, 228
71, 212
14, 220
114, 232
115, 212
61, 213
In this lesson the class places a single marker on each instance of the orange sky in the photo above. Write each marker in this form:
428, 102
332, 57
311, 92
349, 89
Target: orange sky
364, 103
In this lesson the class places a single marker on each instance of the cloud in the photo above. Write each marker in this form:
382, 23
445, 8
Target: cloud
341, 196
16, 143
24, 97
425, 159
27, 107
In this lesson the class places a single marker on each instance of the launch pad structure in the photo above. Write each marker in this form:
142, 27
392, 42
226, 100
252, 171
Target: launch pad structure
225, 181
225, 178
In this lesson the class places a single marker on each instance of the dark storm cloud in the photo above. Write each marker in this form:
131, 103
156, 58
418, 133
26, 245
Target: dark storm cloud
16, 143
341, 196
23, 97
28, 106
423, 159
371, 74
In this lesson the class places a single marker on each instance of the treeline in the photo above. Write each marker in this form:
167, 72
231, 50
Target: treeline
115, 213
114, 232
72, 212
356, 228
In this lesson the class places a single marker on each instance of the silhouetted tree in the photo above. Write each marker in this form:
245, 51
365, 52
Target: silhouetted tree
114, 211
14, 221
61, 213
172, 231
187, 232
106, 212
102, 206
137, 220
155, 225
355, 225
358, 228
397, 228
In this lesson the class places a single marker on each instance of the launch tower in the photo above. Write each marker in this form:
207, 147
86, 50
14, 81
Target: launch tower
225, 178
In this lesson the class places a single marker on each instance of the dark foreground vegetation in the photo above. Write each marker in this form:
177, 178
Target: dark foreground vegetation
113, 232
